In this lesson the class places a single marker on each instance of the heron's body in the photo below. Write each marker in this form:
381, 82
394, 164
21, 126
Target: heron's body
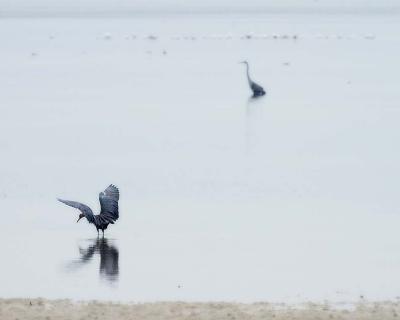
256, 88
109, 209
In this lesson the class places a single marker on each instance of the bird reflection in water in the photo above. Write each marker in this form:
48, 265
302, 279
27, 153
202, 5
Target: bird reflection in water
109, 256
254, 124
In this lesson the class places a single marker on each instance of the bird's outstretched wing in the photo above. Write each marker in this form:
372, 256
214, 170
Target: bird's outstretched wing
109, 204
80, 206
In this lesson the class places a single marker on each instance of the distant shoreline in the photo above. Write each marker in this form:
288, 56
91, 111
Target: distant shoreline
66, 309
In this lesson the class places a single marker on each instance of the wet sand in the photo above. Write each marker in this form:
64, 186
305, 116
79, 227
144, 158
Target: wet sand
66, 309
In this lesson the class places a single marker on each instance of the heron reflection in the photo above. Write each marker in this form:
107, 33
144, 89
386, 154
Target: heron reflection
109, 256
254, 124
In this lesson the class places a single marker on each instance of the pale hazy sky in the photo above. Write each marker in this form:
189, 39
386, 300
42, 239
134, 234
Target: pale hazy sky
188, 5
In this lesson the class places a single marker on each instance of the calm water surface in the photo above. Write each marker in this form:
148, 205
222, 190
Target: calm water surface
290, 197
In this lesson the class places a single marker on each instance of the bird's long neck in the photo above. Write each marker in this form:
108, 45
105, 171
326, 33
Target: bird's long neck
248, 74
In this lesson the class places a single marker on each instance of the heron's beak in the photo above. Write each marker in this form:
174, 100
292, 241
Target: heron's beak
79, 219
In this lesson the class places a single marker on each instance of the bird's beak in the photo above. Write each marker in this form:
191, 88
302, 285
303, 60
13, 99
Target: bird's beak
79, 219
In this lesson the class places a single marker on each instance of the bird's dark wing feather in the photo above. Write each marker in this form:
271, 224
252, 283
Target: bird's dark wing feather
256, 87
109, 204
80, 206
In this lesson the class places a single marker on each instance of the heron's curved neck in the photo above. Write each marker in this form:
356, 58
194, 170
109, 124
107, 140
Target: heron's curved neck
248, 74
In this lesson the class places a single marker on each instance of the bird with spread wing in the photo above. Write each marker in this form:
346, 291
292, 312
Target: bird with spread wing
109, 209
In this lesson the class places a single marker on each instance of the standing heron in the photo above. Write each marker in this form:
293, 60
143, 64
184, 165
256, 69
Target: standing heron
109, 209
256, 88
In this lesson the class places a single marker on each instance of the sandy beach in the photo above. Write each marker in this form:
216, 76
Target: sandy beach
66, 309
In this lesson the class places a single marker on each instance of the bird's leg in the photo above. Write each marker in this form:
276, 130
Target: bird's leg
98, 233
103, 232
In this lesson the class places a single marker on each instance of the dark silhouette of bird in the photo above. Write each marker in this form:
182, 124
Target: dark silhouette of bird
256, 88
109, 209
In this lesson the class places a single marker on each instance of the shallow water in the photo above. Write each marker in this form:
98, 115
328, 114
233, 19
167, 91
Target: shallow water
289, 197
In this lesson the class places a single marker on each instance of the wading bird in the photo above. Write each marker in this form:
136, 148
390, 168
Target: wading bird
257, 89
109, 209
